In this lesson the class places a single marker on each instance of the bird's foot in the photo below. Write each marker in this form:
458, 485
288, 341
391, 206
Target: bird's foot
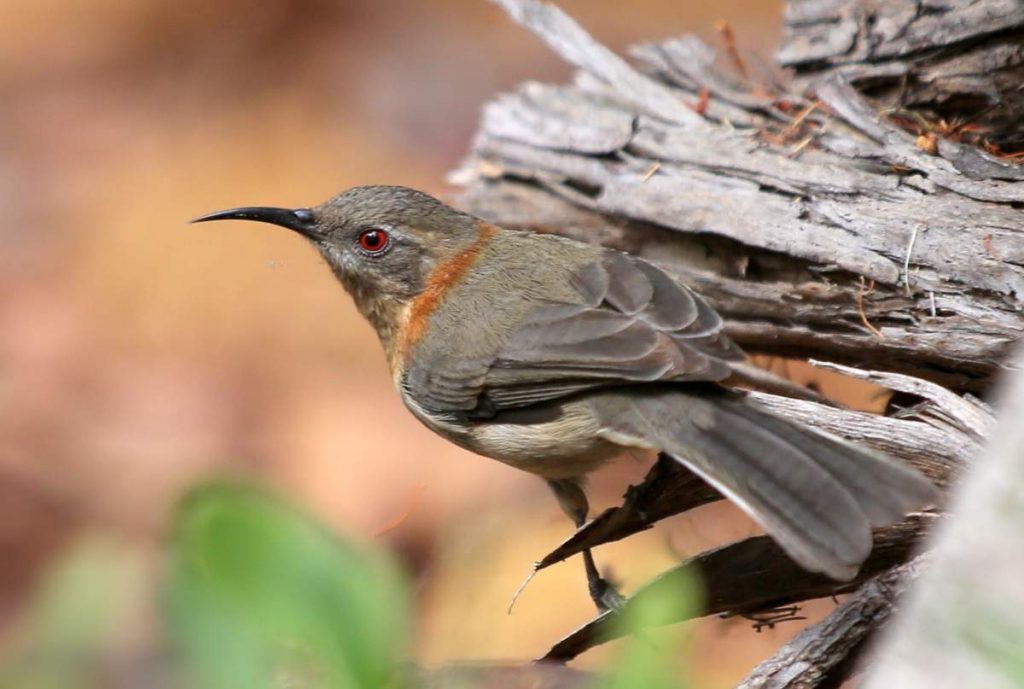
605, 596
602, 592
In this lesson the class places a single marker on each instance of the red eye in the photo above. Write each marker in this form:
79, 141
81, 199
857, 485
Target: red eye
373, 241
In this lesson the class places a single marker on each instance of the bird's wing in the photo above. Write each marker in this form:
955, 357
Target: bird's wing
626, 321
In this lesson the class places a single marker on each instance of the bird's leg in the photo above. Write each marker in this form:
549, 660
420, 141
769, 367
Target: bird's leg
573, 502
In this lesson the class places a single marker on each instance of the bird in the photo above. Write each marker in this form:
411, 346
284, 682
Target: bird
555, 356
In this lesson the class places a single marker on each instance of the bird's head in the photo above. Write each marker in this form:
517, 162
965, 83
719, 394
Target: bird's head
382, 242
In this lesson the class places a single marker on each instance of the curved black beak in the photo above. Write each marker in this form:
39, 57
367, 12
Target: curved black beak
300, 220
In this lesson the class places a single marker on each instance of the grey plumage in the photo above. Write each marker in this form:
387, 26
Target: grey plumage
639, 352
604, 318
554, 356
816, 495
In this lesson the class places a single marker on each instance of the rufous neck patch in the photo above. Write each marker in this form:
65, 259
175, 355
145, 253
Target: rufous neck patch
443, 277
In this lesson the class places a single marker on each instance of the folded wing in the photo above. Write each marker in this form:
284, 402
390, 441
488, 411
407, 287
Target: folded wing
627, 321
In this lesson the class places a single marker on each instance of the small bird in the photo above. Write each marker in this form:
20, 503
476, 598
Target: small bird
555, 356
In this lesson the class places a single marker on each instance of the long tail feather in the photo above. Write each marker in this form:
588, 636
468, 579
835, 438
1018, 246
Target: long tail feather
817, 495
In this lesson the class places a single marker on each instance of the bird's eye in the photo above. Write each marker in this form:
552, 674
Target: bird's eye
374, 242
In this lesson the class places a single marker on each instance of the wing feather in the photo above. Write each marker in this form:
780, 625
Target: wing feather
627, 321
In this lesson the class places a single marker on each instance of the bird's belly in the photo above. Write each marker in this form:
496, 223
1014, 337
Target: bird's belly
565, 446
556, 449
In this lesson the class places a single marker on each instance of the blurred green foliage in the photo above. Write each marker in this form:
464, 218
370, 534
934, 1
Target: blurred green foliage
260, 595
256, 594
649, 657
78, 610
995, 638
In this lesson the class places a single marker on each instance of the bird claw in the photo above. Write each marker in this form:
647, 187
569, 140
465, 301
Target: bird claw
605, 596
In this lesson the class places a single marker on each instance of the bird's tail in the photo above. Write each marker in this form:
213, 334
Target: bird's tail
816, 495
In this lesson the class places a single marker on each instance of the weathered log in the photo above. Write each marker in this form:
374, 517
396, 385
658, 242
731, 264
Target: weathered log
817, 226
868, 211
957, 61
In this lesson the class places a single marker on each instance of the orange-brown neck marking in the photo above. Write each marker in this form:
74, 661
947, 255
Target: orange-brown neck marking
443, 277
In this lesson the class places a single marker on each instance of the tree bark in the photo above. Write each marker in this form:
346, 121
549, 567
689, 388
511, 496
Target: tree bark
868, 211
783, 210
822, 654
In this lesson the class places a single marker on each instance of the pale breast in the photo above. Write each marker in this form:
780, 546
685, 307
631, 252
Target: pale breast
564, 443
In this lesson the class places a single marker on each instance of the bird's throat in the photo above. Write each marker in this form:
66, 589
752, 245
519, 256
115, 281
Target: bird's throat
385, 313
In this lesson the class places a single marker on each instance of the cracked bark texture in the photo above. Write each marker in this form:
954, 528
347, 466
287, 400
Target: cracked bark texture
867, 209
838, 640
784, 205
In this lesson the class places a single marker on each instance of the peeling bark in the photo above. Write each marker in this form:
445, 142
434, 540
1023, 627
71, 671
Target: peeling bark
868, 211
817, 226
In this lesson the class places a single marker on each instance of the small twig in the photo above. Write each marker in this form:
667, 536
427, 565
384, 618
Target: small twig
986, 242
801, 116
649, 172
906, 259
729, 38
521, 588
861, 293
923, 124
399, 519
795, 151
703, 96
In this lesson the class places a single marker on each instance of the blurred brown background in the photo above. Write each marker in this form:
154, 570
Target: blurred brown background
138, 353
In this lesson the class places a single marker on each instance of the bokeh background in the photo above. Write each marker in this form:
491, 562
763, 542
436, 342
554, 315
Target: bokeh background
139, 354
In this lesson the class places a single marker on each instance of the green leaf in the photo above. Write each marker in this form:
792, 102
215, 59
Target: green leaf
650, 654
260, 595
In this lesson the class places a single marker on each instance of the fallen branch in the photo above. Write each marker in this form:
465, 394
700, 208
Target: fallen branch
868, 212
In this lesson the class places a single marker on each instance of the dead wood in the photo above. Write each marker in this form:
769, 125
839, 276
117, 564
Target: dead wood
866, 209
